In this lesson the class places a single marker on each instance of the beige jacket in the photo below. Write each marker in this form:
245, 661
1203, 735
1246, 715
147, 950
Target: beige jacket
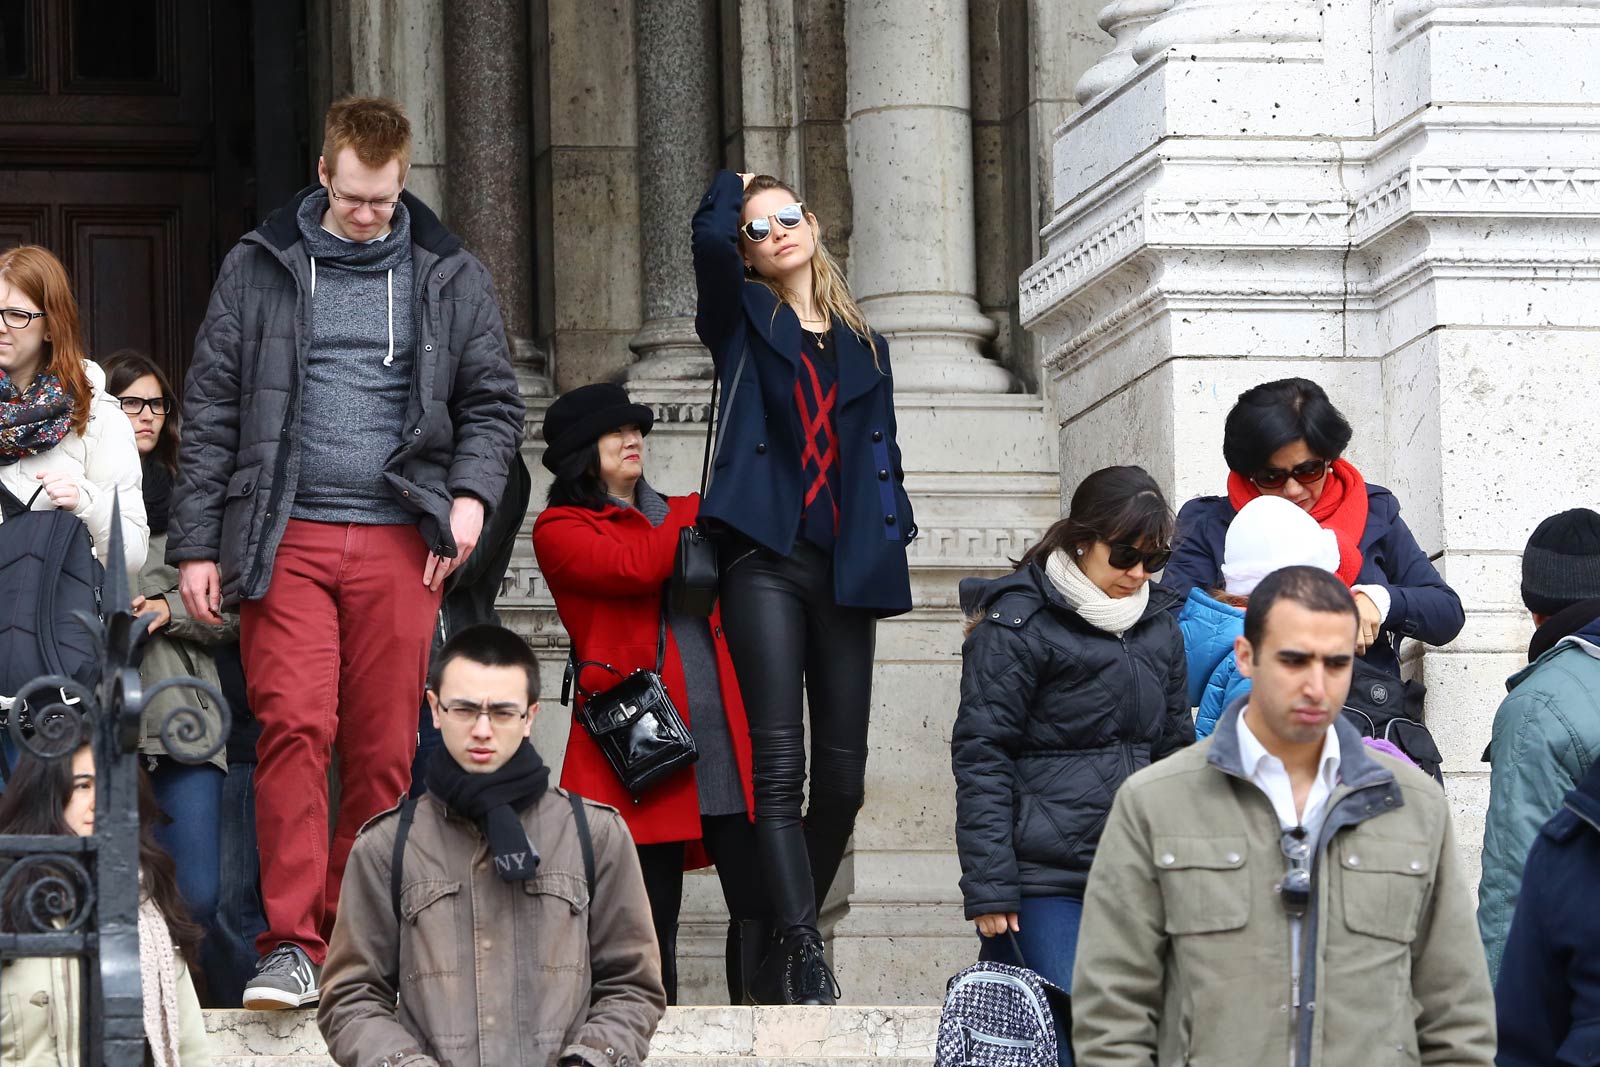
39, 999
493, 973
105, 460
1184, 957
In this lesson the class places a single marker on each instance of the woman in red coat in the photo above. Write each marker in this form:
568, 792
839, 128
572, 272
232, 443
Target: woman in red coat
606, 543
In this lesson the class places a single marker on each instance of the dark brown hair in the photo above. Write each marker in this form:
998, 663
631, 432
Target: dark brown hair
1311, 587
126, 366
39, 275
35, 802
376, 128
1118, 505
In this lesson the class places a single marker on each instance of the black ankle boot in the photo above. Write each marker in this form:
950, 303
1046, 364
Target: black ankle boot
796, 972
749, 942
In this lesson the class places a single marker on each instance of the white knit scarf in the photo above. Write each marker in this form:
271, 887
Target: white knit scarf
158, 970
1114, 615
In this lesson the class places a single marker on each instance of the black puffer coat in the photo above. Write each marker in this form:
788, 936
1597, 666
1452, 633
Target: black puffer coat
1055, 715
239, 462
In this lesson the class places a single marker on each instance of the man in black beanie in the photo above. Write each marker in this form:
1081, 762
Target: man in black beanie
1547, 731
496, 921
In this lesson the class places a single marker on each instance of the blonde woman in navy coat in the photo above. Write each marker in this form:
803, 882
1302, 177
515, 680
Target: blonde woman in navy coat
813, 523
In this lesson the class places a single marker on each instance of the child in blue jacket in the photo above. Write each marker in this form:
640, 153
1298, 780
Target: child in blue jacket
1268, 533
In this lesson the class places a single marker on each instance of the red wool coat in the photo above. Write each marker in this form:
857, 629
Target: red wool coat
607, 570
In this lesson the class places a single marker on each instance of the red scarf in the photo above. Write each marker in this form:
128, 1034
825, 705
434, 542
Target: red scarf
1342, 508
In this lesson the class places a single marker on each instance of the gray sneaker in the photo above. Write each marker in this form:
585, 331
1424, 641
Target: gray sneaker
285, 978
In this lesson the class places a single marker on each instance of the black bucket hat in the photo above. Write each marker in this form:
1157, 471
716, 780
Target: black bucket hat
581, 417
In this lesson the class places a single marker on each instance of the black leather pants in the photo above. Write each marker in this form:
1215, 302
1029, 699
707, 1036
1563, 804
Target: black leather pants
790, 640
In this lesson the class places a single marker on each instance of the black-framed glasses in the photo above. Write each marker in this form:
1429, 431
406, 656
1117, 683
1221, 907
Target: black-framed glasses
789, 217
354, 202
1123, 557
1295, 889
499, 714
1312, 470
19, 318
133, 405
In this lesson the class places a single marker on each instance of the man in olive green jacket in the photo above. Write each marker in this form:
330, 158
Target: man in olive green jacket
504, 943
1280, 894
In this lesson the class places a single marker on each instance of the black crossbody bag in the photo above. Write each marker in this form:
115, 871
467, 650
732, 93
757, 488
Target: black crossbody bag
693, 589
634, 722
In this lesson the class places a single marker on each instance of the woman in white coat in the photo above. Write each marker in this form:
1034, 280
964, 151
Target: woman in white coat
64, 442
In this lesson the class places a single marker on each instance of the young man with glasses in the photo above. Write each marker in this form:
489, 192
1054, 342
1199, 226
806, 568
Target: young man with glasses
1280, 894
494, 921
351, 414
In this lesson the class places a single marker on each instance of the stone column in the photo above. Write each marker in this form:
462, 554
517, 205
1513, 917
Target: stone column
678, 126
487, 101
914, 247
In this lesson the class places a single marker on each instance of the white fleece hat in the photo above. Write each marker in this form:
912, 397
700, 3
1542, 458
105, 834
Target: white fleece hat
1268, 534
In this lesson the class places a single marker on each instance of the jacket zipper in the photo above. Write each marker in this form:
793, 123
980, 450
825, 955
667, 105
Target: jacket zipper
993, 978
1133, 679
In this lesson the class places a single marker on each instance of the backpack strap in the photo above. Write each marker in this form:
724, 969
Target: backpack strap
585, 841
397, 865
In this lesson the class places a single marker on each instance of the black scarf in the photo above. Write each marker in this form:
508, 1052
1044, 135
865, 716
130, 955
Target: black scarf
157, 494
1574, 618
493, 801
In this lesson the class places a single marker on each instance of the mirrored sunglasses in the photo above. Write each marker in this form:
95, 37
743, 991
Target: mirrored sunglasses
789, 217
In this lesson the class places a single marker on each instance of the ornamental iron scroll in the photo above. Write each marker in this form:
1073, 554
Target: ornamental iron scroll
78, 898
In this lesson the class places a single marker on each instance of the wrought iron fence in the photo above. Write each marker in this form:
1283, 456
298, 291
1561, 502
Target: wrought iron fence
79, 897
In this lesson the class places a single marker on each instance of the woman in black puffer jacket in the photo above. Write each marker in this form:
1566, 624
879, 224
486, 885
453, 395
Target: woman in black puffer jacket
1072, 678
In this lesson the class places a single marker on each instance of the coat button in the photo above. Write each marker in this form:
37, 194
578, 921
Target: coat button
761, 449
1232, 857
888, 520
883, 476
417, 432
405, 492
1354, 861
427, 348
1168, 859
995, 615
1416, 865
486, 944
877, 435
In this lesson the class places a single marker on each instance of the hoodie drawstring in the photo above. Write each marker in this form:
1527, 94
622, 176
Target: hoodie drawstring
388, 361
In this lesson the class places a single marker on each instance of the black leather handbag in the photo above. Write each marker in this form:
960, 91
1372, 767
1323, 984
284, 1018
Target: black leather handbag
634, 722
693, 589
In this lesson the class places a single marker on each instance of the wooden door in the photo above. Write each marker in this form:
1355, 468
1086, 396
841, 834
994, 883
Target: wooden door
123, 153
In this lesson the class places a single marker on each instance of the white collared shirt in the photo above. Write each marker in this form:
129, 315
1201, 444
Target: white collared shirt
1269, 774
1272, 778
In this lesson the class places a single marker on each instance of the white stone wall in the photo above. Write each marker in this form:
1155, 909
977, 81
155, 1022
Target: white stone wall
1397, 199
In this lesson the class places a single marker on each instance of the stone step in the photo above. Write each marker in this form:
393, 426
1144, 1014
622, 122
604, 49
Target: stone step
847, 1036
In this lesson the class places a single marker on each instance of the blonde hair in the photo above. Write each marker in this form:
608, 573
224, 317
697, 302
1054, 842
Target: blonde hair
829, 290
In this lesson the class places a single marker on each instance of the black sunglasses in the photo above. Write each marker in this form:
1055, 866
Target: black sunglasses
1305, 473
1295, 889
789, 217
1123, 557
132, 405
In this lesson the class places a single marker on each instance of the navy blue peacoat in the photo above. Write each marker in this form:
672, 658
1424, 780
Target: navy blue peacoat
756, 486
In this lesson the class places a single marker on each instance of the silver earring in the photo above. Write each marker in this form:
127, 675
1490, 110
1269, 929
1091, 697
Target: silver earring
1080, 551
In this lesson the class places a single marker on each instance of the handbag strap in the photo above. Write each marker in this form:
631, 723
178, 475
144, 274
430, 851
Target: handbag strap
571, 678
714, 449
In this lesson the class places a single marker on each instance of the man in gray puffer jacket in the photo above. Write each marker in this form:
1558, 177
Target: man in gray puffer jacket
350, 415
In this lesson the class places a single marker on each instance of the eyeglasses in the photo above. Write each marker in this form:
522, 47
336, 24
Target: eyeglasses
18, 319
1305, 473
789, 217
132, 405
1123, 557
1295, 889
468, 714
381, 206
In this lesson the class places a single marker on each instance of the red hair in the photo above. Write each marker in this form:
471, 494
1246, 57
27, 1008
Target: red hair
38, 275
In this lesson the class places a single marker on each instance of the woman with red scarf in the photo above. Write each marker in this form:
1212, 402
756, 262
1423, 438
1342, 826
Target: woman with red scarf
1286, 438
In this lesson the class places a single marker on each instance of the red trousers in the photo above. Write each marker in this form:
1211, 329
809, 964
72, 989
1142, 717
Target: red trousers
335, 655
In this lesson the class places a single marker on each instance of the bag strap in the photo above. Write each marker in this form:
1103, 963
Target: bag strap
397, 865
1016, 950
569, 676
10, 505
712, 451
585, 842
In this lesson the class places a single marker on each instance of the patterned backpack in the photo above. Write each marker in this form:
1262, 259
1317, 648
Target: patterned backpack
997, 1015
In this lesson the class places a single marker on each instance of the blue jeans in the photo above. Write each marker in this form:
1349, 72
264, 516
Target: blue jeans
1049, 940
191, 796
230, 957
